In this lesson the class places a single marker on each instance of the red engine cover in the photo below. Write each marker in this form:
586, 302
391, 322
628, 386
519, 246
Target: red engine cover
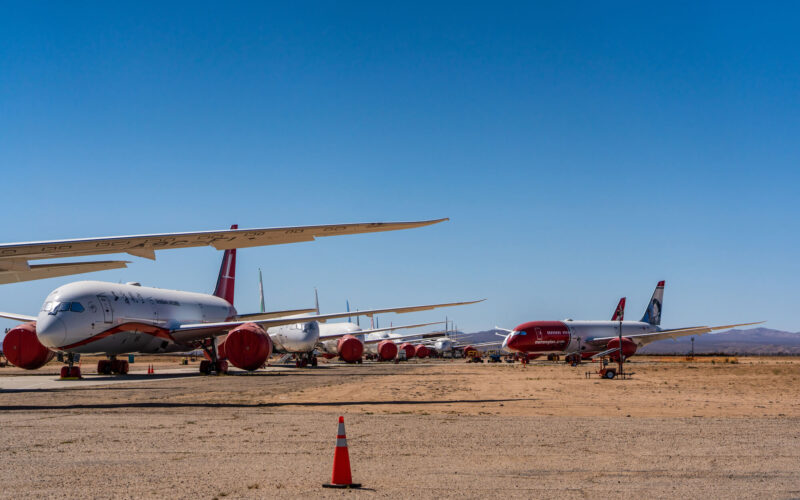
628, 348
421, 351
23, 349
387, 350
248, 347
350, 349
410, 351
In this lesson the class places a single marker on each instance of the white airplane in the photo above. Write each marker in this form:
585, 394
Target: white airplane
15, 258
112, 319
586, 339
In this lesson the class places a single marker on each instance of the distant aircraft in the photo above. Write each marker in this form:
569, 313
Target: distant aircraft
345, 339
586, 339
15, 258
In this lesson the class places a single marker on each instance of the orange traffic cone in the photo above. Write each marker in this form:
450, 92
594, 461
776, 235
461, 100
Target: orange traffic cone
341, 477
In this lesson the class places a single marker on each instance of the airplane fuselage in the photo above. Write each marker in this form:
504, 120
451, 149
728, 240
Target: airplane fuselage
91, 317
558, 337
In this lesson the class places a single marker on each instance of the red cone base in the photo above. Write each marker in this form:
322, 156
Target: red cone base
341, 477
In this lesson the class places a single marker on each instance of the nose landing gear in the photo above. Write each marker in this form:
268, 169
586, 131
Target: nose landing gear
71, 372
305, 359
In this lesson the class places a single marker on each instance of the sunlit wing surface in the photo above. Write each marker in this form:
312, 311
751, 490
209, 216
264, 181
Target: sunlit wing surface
15, 257
17, 317
646, 338
192, 332
377, 330
273, 314
10, 274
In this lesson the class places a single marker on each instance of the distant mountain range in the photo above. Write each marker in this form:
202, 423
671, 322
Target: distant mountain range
760, 341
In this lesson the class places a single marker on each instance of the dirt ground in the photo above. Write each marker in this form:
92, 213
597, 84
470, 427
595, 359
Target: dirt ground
730, 428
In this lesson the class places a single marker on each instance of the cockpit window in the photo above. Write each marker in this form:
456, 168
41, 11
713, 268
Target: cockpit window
521, 332
56, 307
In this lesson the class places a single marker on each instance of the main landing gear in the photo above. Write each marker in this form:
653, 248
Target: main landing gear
305, 359
71, 372
215, 366
112, 365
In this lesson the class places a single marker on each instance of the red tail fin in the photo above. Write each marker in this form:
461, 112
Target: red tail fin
619, 313
227, 274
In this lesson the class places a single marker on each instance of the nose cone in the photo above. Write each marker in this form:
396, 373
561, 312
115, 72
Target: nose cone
311, 331
514, 342
50, 330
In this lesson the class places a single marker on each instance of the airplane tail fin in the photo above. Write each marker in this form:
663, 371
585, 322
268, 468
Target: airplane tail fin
619, 312
653, 313
227, 274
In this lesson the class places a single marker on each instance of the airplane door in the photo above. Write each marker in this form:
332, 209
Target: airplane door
105, 305
538, 333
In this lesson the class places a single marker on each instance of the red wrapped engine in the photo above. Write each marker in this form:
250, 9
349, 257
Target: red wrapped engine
387, 350
350, 349
23, 349
628, 348
247, 347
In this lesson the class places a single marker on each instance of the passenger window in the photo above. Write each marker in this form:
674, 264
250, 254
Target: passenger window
76, 307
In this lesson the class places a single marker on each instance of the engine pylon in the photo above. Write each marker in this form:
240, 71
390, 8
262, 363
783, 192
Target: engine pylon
341, 476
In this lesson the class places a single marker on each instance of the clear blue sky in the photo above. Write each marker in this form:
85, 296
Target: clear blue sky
583, 151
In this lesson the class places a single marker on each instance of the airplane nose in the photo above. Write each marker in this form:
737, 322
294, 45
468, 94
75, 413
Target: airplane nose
512, 342
51, 331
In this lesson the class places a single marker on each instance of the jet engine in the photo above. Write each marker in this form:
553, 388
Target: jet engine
23, 349
410, 351
387, 350
628, 348
350, 349
421, 351
248, 347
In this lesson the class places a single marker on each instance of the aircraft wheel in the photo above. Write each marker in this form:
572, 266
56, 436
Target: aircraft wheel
103, 367
222, 367
205, 367
314, 361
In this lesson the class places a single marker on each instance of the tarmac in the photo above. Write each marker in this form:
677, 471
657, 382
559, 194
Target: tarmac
730, 428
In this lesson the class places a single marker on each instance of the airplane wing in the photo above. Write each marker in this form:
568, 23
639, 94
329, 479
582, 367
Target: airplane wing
15, 274
646, 338
378, 330
17, 317
198, 331
274, 314
15, 257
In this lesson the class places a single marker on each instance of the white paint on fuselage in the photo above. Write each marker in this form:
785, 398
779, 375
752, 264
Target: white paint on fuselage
110, 306
583, 332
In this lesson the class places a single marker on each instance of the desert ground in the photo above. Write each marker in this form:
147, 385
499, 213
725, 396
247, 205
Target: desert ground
712, 427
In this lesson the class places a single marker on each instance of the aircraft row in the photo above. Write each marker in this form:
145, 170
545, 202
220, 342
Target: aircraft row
111, 319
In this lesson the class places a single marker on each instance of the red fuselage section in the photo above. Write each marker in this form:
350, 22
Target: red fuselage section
539, 337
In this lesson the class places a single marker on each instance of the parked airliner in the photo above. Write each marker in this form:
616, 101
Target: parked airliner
585, 339
112, 319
